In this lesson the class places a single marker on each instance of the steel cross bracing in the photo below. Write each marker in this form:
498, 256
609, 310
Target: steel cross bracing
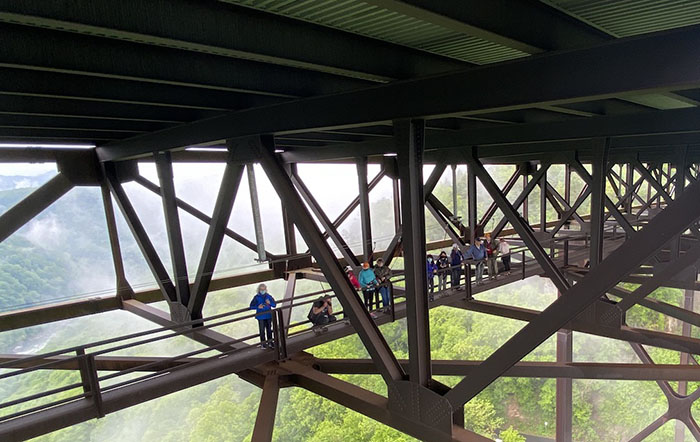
554, 257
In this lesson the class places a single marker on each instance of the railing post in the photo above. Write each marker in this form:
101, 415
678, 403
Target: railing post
566, 252
278, 334
88, 377
523, 259
391, 301
468, 280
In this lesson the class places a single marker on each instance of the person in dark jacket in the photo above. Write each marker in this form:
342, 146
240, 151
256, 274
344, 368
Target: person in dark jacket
491, 252
383, 273
430, 268
321, 312
456, 258
443, 264
263, 303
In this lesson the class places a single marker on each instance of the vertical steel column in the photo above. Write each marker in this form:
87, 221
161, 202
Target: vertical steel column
601, 147
124, 290
454, 189
564, 399
567, 183
290, 239
688, 302
164, 167
471, 203
255, 206
629, 180
681, 165
525, 201
543, 202
365, 219
289, 294
265, 420
410, 140
397, 205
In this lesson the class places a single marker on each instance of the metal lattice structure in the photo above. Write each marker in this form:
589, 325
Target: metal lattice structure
607, 90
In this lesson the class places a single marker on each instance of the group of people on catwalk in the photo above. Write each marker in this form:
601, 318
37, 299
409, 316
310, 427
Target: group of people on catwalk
374, 283
482, 253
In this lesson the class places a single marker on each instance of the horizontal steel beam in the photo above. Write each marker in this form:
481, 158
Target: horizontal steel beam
643, 64
33, 204
102, 363
56, 85
641, 336
368, 403
43, 314
573, 370
49, 50
527, 26
232, 31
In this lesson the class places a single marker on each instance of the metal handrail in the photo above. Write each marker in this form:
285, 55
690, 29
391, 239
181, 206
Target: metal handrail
91, 380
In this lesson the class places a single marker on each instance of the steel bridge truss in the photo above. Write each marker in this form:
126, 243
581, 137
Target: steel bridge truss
634, 220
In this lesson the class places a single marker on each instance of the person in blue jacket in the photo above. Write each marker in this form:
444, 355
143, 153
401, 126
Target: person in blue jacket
430, 269
263, 303
477, 252
456, 258
368, 284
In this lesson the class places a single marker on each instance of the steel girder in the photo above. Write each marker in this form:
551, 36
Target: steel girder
410, 138
230, 181
597, 184
674, 219
139, 232
518, 223
33, 204
559, 370
265, 420
317, 210
355, 202
612, 208
522, 198
365, 219
678, 404
199, 215
507, 187
164, 167
124, 290
366, 328
657, 61
89, 55
199, 27
528, 27
369, 404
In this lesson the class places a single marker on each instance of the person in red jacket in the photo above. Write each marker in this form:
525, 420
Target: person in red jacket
353, 279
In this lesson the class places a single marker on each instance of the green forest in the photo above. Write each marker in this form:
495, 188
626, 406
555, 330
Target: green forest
57, 259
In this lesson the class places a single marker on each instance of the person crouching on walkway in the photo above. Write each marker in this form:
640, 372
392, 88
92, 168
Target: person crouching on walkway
368, 283
263, 303
321, 312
